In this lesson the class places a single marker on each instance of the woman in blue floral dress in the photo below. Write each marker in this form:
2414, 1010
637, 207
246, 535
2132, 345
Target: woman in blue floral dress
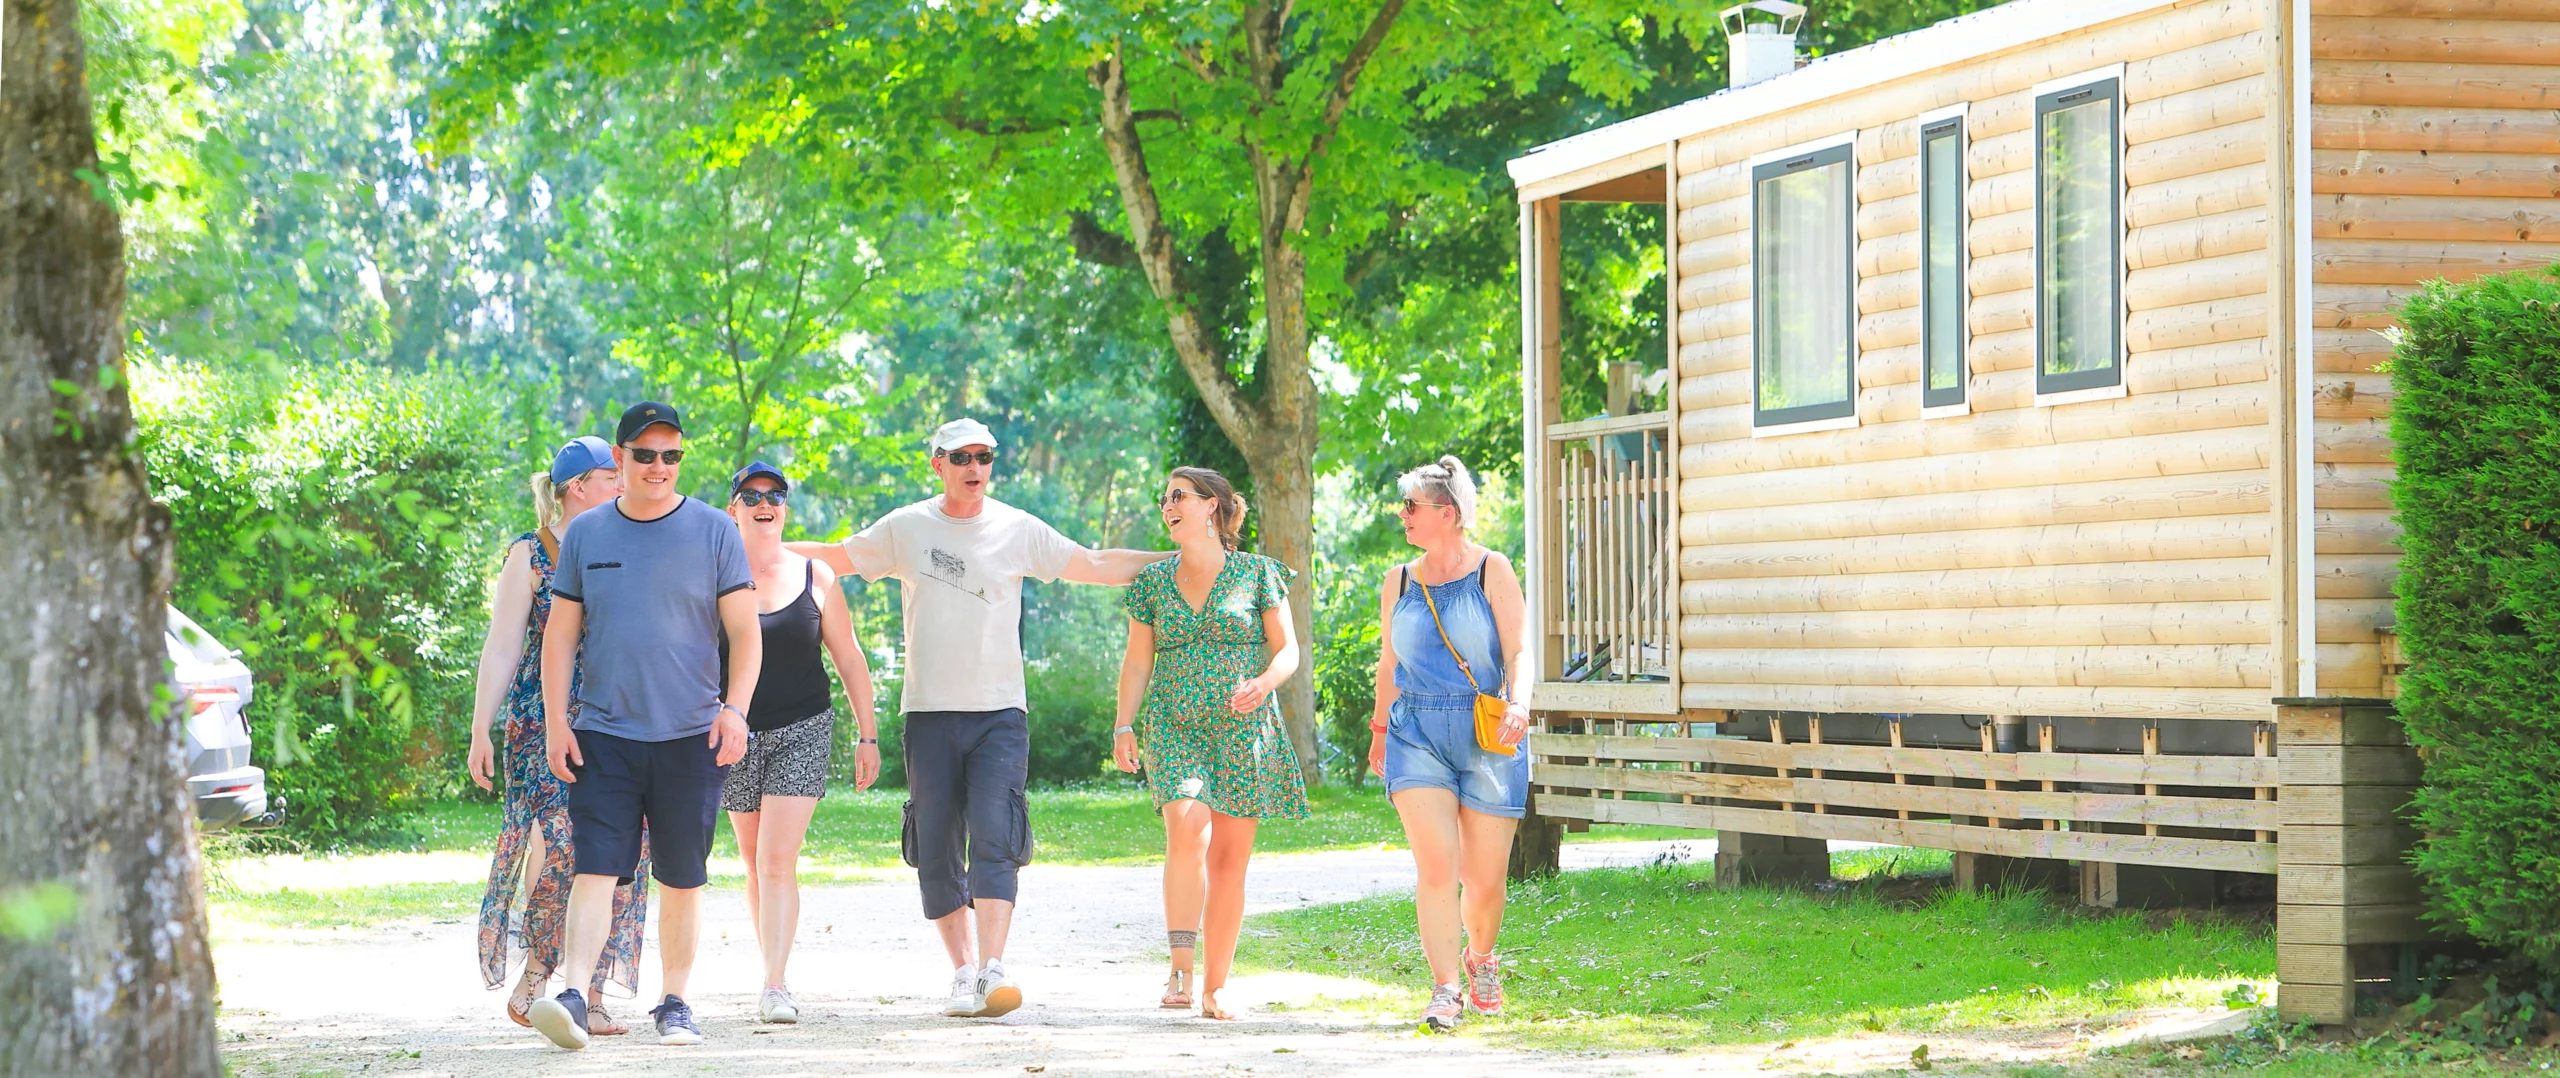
1196, 708
528, 897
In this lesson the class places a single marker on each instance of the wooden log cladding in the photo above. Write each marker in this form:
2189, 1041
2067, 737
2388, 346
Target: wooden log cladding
2358, 306
2194, 67
1715, 356
2195, 110
2435, 217
2410, 172
1879, 143
2352, 806
2351, 396
2000, 154
2009, 271
2230, 856
1889, 367
1992, 196
1991, 117
2233, 771
2239, 405
2195, 238
1722, 320
2209, 150
2014, 350
2133, 457
1709, 289
2351, 765
1888, 179
2382, 82
2192, 324
2160, 32
2215, 812
2237, 491
1700, 184
2220, 666
2105, 623
1889, 329
2312, 844
1889, 254
1715, 253
1892, 215
2002, 312
2359, 440
2132, 703
2437, 41
2202, 195
2351, 486
1712, 219
2434, 130
1889, 292
2171, 539
2227, 363
2412, 261
2355, 576
2357, 531
2001, 233
2198, 580
1725, 389
2199, 281
2533, 10
2348, 350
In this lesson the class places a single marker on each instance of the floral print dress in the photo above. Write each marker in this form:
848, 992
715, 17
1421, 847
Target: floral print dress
522, 914
1193, 744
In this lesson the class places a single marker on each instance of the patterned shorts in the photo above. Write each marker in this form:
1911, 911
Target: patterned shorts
789, 761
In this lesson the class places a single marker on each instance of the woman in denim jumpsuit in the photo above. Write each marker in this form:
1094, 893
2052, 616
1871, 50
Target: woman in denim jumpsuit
1460, 803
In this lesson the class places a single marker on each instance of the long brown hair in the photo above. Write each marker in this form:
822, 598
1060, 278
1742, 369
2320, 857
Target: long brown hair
1229, 519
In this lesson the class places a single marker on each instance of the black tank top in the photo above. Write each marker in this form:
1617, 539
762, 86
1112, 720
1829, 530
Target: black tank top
793, 685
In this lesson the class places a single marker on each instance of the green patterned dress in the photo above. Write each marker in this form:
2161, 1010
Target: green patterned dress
1193, 744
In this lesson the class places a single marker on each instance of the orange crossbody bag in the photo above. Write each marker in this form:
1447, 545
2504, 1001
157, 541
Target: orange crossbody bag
1489, 709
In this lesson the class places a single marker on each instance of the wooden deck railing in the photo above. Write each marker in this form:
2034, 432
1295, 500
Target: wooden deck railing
1611, 564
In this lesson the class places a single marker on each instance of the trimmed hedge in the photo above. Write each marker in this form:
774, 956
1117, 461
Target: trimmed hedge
2477, 421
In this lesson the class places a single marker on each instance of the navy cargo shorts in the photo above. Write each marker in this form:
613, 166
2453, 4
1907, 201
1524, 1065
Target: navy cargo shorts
967, 827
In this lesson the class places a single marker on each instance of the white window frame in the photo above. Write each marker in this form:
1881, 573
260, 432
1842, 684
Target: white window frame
1784, 153
2113, 71
1961, 114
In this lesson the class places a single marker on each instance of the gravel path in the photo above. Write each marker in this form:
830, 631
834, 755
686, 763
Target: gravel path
404, 999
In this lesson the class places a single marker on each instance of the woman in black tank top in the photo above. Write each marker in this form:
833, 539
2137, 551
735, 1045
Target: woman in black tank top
771, 794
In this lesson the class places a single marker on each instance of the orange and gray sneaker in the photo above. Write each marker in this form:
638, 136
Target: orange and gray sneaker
1441, 1015
1484, 984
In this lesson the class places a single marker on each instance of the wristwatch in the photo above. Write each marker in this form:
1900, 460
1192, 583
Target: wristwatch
866, 741
1119, 730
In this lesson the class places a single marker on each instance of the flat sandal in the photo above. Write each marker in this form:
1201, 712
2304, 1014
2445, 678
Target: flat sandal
1177, 991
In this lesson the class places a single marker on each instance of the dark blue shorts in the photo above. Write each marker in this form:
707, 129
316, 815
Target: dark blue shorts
672, 786
968, 826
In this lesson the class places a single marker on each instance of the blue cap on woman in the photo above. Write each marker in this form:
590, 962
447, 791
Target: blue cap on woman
583, 454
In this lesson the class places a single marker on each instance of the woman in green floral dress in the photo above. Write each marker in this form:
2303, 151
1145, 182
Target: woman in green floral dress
1210, 639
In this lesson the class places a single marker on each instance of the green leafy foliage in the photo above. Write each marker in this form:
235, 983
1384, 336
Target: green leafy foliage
337, 526
2479, 613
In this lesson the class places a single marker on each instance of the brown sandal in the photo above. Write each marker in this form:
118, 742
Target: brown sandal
600, 1024
527, 987
1177, 991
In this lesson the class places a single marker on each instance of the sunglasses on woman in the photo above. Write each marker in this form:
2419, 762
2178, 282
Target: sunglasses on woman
652, 456
1410, 505
753, 498
1173, 498
959, 458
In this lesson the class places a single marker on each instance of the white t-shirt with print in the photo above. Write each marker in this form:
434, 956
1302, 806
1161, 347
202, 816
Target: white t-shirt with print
961, 585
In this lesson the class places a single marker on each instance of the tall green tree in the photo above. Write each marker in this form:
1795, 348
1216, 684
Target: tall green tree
1144, 135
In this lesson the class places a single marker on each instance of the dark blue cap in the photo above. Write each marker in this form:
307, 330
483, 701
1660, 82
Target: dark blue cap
583, 454
753, 469
644, 415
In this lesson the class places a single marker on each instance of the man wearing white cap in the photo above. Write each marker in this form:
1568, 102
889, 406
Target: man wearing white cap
960, 558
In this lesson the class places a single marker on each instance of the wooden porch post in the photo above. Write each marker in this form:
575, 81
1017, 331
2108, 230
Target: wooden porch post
1535, 850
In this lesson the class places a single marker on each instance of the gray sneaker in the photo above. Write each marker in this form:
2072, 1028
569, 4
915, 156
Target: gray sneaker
1441, 1015
675, 1022
563, 1018
778, 1007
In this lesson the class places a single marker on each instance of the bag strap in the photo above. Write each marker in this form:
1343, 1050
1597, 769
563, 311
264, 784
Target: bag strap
550, 546
1444, 641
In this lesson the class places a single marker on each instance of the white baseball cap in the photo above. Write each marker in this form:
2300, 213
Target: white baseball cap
960, 432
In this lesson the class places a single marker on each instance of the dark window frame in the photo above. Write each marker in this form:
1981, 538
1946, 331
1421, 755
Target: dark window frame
1948, 127
1843, 154
2110, 88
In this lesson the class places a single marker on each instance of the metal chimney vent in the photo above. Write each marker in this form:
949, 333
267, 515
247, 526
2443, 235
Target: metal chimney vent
1765, 49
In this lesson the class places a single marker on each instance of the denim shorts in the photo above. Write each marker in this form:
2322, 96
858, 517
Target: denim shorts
1431, 742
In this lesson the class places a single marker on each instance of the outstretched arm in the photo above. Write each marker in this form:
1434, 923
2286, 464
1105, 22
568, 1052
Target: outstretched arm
1110, 568
831, 555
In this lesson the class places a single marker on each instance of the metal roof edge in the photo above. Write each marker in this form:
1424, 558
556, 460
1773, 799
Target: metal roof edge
1955, 41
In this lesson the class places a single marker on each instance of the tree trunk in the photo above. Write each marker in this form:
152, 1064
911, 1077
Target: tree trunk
1284, 483
104, 968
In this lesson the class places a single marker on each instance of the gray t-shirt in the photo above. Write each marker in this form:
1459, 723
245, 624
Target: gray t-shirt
652, 593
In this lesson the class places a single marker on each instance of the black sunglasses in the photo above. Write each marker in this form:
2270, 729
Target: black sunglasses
652, 456
959, 458
1410, 504
1174, 497
762, 497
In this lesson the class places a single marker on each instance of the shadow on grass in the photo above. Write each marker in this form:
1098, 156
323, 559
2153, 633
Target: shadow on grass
1655, 957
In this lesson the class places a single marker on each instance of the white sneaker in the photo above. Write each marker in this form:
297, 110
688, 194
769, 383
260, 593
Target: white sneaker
778, 1007
997, 994
964, 993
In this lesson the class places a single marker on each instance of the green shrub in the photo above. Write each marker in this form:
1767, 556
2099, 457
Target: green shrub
2477, 423
338, 527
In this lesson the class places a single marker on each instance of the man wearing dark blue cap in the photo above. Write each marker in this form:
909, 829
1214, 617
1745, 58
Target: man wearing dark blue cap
648, 585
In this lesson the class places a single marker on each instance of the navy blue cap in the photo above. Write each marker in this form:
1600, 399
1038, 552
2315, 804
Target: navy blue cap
644, 415
753, 469
584, 453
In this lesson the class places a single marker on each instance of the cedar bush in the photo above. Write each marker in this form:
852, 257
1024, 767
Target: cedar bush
2477, 421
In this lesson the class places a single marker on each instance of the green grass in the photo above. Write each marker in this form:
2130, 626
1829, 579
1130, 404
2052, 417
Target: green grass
1654, 958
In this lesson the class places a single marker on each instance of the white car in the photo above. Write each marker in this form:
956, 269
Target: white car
216, 687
